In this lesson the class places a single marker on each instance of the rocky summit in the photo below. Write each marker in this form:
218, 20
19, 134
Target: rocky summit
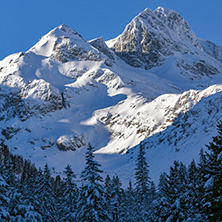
156, 84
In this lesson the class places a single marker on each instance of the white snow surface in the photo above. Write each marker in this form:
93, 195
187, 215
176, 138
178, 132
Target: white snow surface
65, 87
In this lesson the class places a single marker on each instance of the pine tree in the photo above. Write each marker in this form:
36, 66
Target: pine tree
69, 196
161, 206
130, 204
108, 187
25, 213
44, 197
213, 171
4, 199
193, 196
117, 199
142, 186
177, 192
91, 202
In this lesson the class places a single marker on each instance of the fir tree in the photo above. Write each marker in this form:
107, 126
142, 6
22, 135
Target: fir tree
142, 186
213, 171
130, 204
161, 206
193, 196
177, 192
117, 199
44, 197
25, 213
108, 190
91, 202
69, 196
4, 199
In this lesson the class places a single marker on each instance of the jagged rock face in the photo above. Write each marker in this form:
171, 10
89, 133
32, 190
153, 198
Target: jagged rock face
66, 50
137, 45
65, 44
145, 120
40, 97
24, 105
187, 126
100, 44
199, 69
24, 97
9, 132
151, 37
177, 24
212, 49
70, 142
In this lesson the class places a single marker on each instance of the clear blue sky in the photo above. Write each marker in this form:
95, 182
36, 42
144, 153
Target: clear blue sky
23, 22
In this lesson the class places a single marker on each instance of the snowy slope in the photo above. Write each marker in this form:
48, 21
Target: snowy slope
182, 141
65, 92
163, 40
212, 49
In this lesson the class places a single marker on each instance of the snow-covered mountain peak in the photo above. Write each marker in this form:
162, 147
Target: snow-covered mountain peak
46, 45
64, 44
146, 11
162, 38
65, 92
64, 30
176, 23
166, 12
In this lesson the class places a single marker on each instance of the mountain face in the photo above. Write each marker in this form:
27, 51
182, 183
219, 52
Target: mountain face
156, 83
152, 38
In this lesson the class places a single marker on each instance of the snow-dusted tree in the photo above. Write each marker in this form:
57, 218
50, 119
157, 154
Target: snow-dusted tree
117, 199
213, 170
68, 200
23, 212
108, 187
193, 195
161, 205
8, 169
177, 192
91, 202
152, 191
16, 206
4, 199
142, 186
18, 163
44, 196
129, 203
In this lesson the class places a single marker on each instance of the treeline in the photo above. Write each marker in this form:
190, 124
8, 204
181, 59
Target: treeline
192, 193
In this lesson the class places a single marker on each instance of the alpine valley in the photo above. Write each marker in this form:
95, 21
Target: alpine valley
156, 84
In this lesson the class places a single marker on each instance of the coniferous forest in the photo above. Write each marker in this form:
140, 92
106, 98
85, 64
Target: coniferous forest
186, 193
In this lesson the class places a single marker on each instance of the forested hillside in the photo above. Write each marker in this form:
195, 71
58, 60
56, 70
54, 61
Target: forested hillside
187, 193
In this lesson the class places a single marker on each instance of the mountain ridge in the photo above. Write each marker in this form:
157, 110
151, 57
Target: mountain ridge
65, 92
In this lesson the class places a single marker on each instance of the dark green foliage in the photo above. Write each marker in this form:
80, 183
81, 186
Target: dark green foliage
4, 199
91, 200
45, 201
130, 204
184, 194
68, 196
143, 192
213, 177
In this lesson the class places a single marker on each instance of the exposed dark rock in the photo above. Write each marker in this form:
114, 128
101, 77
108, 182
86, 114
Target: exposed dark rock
9, 132
200, 68
212, 49
65, 50
48, 142
153, 36
100, 44
70, 142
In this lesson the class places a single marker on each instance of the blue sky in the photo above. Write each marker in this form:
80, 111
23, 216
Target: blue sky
23, 22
